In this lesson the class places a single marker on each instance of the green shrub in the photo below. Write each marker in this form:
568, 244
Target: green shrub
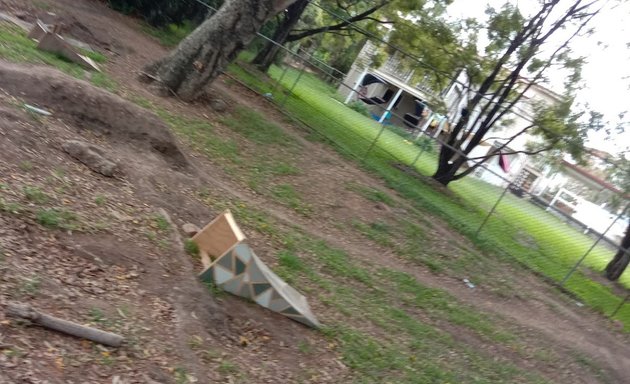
360, 107
160, 13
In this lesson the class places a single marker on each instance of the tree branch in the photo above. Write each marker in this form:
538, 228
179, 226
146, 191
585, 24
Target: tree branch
545, 67
487, 157
337, 27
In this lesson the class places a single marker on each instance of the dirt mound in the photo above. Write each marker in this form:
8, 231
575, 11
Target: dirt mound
91, 108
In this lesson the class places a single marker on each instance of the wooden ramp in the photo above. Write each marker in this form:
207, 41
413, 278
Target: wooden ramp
238, 270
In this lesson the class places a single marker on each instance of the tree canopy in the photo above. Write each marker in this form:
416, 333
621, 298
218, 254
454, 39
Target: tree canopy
340, 27
521, 52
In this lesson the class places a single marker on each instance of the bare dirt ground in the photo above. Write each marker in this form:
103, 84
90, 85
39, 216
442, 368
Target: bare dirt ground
113, 264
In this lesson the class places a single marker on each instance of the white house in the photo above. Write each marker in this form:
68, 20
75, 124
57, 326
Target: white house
392, 99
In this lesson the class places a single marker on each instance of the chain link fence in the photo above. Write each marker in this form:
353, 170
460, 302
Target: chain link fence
563, 222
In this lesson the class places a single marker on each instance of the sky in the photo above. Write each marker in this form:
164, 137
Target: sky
608, 62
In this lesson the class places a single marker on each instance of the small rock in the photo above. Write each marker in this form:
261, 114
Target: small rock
91, 156
190, 229
382, 207
218, 105
618, 325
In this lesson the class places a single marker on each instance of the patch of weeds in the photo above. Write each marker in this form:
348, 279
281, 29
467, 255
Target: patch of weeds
367, 356
151, 235
285, 194
26, 166
360, 107
587, 362
305, 347
143, 102
97, 57
440, 304
15, 46
97, 316
30, 287
41, 5
191, 248
378, 231
337, 261
100, 200
13, 352
284, 169
200, 133
228, 368
57, 219
161, 223
35, 195
290, 261
164, 244
101, 80
290, 266
106, 358
210, 354
99, 225
171, 34
254, 218
372, 194
181, 376
214, 289
204, 193
413, 231
195, 342
256, 128
11, 207
263, 167
216, 147
59, 173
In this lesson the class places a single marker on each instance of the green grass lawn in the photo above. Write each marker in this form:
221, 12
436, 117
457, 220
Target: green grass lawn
518, 231
15, 46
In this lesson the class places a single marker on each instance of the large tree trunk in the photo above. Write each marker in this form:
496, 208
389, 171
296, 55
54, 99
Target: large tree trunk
268, 53
207, 51
620, 262
449, 161
445, 173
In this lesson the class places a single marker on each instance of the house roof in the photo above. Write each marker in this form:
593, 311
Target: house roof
402, 85
602, 155
585, 173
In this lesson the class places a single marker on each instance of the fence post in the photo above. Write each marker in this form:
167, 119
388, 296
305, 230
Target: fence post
494, 208
374, 142
420, 152
277, 83
297, 80
625, 299
599, 238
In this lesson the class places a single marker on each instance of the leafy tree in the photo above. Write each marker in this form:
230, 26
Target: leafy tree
520, 53
345, 20
206, 52
162, 12
621, 177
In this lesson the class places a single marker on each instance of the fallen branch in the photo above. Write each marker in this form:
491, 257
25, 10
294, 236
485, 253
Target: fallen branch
27, 312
